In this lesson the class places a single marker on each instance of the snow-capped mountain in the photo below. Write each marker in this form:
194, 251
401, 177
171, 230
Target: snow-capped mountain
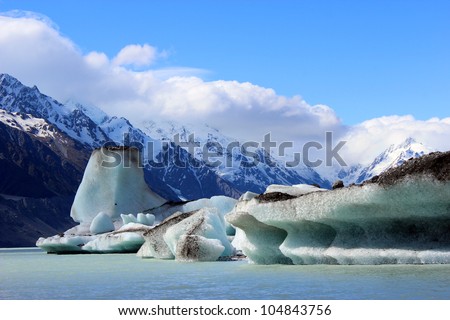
15, 97
91, 128
25, 122
227, 172
348, 175
37, 159
229, 161
393, 156
40, 170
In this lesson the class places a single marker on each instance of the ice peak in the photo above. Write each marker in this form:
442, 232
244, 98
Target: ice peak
394, 156
8, 78
93, 112
9, 83
409, 141
411, 146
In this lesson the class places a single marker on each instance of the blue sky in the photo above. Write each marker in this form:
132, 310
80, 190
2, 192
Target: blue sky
364, 59
372, 72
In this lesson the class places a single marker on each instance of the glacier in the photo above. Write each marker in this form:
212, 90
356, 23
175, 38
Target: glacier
402, 217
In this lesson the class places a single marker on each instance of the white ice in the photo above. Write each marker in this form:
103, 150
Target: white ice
145, 219
102, 223
223, 204
113, 183
248, 196
295, 190
119, 242
112, 206
193, 248
63, 244
207, 223
370, 224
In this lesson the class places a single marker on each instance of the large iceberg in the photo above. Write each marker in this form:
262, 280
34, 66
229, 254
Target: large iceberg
190, 236
113, 183
403, 216
113, 186
154, 245
208, 227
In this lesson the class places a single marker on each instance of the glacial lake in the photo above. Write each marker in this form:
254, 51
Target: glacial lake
32, 274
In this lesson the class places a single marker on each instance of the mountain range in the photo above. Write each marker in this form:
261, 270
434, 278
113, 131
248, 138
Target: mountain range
45, 145
393, 156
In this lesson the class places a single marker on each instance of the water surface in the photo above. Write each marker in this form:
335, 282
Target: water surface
32, 274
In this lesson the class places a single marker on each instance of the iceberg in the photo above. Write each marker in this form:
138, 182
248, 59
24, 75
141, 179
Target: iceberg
115, 242
207, 224
402, 216
190, 236
154, 245
258, 241
62, 244
102, 223
197, 248
223, 204
113, 183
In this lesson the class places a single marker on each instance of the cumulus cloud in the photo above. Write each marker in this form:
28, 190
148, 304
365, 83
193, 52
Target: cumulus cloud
37, 53
136, 55
34, 51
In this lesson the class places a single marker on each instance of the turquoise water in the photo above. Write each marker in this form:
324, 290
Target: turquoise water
32, 274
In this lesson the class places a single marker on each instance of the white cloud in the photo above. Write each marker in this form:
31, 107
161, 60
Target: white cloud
136, 55
250, 110
34, 51
97, 59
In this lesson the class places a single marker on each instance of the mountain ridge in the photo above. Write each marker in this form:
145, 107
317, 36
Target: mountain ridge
93, 127
392, 157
